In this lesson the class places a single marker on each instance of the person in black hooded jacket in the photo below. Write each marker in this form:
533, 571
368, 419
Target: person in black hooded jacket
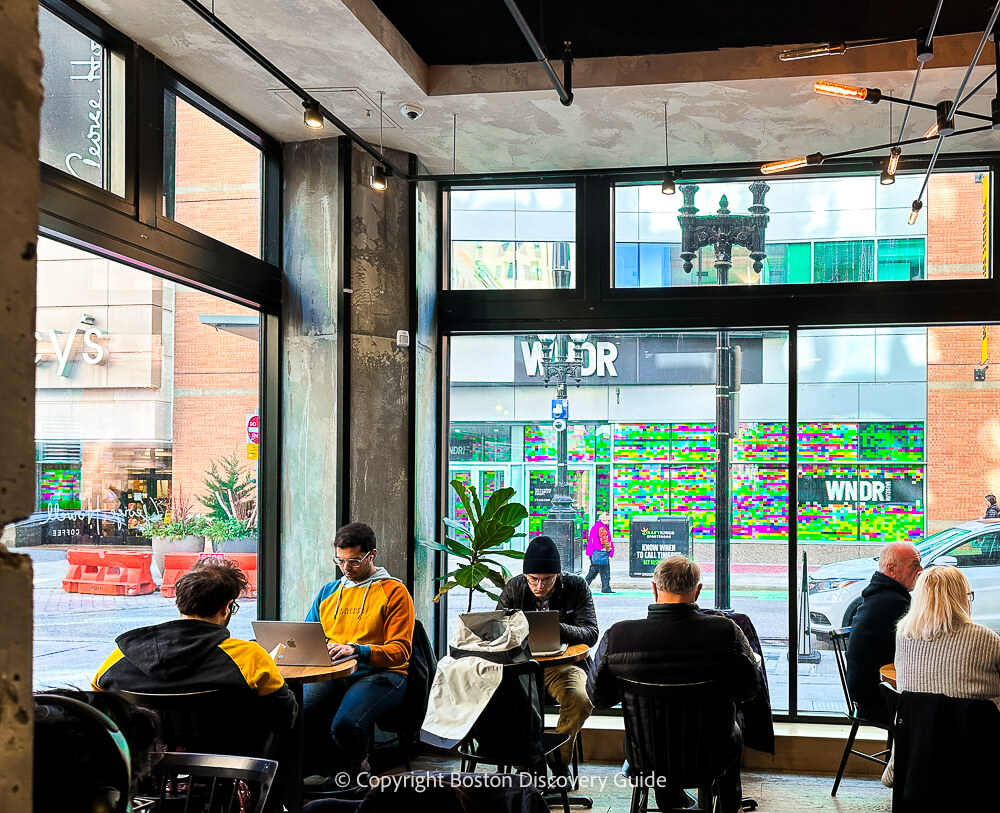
543, 586
872, 643
196, 652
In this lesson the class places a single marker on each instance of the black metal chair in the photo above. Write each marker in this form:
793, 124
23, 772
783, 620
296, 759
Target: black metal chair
839, 640
510, 730
208, 783
680, 733
212, 721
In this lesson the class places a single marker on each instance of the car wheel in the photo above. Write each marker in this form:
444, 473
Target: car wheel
850, 612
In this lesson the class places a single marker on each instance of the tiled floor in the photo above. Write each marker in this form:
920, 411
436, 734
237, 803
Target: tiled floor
774, 792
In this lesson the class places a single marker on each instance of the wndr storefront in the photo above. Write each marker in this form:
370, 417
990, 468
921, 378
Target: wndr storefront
641, 433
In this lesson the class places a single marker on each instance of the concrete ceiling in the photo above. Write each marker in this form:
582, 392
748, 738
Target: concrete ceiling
729, 105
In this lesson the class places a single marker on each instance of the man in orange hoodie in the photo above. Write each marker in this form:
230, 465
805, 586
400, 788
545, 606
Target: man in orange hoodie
367, 614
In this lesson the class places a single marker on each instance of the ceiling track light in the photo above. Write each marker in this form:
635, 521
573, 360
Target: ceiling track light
945, 119
915, 212
885, 177
813, 159
893, 162
925, 45
313, 116
669, 184
378, 180
824, 49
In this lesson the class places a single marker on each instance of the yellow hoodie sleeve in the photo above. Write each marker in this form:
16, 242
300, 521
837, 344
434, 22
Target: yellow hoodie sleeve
110, 661
255, 664
398, 626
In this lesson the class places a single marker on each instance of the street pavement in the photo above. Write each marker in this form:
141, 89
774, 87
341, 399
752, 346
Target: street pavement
74, 632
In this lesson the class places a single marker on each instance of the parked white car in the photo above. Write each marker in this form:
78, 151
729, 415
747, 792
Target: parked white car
835, 589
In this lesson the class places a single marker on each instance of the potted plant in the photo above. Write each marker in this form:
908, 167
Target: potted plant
230, 497
179, 530
488, 528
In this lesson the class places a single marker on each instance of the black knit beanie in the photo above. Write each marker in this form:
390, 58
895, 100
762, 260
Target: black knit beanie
542, 556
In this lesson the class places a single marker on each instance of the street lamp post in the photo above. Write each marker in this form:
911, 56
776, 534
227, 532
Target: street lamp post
559, 365
724, 230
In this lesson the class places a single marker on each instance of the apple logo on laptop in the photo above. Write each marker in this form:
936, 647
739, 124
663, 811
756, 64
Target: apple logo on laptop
291, 643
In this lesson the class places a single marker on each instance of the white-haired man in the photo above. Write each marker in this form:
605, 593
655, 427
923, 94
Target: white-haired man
676, 643
873, 631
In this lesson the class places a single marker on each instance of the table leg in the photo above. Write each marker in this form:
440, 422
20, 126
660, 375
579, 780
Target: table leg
292, 786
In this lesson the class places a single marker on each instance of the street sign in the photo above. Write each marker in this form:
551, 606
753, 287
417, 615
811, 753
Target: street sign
653, 538
559, 425
560, 409
253, 428
253, 451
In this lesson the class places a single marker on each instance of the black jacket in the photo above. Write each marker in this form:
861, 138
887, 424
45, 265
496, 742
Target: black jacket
674, 644
872, 644
571, 597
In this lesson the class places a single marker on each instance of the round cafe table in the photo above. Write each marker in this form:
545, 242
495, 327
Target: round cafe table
888, 674
574, 654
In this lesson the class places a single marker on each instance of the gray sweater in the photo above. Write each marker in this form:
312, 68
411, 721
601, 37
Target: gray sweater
963, 663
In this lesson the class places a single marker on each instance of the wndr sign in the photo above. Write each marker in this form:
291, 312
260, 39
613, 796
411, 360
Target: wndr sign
826, 491
595, 358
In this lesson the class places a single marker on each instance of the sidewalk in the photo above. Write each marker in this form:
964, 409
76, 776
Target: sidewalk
745, 576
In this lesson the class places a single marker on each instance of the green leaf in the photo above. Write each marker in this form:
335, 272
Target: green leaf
501, 534
456, 547
463, 494
434, 546
509, 552
490, 593
475, 502
496, 501
512, 514
444, 589
457, 526
496, 578
471, 575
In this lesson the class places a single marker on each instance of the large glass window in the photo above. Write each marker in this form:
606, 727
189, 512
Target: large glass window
819, 230
147, 431
82, 122
211, 176
506, 238
641, 445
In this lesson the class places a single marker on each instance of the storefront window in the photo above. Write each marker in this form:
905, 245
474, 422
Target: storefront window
211, 176
819, 230
82, 122
503, 238
147, 433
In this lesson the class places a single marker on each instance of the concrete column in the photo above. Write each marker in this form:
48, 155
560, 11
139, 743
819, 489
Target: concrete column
379, 370
20, 102
312, 369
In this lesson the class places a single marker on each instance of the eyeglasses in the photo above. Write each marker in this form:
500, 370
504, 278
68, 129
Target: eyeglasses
234, 608
972, 596
537, 580
342, 563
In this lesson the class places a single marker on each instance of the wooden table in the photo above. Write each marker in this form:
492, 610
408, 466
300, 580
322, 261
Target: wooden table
574, 654
888, 674
296, 677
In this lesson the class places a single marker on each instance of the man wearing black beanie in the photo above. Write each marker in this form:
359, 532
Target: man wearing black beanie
543, 586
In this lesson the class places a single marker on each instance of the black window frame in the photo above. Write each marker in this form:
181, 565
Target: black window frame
132, 231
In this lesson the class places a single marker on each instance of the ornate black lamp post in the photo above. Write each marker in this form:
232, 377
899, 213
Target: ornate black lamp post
560, 366
724, 230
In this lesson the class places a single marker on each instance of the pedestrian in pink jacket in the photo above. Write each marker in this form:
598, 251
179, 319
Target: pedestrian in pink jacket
600, 549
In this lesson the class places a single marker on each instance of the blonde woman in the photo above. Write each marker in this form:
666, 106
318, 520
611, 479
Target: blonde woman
938, 647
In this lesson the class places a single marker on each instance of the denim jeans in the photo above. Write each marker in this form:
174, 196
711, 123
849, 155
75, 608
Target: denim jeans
339, 715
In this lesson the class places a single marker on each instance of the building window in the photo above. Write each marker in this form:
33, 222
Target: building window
820, 230
147, 431
505, 238
211, 176
83, 115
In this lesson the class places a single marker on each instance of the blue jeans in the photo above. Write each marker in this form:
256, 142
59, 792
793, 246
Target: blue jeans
339, 714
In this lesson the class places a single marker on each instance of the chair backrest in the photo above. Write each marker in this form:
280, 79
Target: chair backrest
409, 714
510, 726
839, 639
680, 731
891, 695
212, 721
210, 783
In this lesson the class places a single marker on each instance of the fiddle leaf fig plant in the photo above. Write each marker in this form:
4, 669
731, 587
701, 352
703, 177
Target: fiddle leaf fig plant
475, 543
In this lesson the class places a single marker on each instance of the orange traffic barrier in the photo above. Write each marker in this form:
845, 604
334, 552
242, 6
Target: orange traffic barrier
109, 572
176, 565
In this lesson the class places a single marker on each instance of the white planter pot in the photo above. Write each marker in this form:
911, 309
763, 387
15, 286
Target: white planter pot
175, 544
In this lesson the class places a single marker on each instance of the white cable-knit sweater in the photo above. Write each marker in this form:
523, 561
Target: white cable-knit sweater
963, 663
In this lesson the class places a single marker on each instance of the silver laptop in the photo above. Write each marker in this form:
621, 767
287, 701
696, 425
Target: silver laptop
543, 633
304, 642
